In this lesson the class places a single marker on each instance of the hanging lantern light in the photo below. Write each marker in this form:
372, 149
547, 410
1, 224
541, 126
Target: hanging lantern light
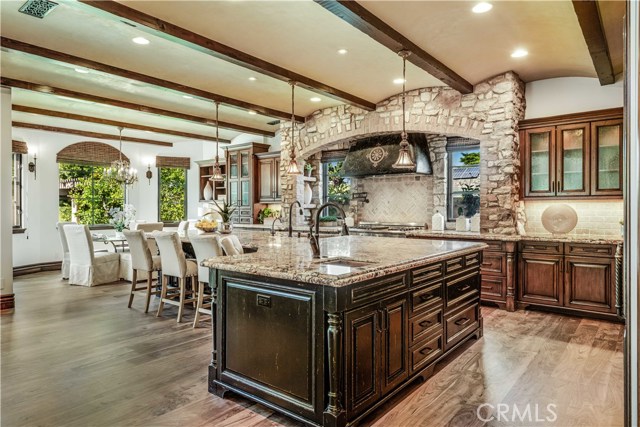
405, 159
217, 172
293, 169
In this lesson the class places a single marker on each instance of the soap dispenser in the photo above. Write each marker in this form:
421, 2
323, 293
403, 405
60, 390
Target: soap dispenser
437, 222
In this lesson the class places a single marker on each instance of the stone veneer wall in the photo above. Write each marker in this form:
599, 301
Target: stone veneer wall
489, 114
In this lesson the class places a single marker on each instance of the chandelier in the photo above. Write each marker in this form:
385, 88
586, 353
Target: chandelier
120, 170
293, 169
405, 161
217, 172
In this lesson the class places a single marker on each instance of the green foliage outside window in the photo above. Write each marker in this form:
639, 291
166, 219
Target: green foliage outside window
172, 194
470, 159
339, 187
92, 195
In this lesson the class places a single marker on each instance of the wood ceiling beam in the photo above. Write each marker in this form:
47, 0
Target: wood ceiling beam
357, 16
126, 125
88, 134
132, 75
20, 84
591, 25
184, 37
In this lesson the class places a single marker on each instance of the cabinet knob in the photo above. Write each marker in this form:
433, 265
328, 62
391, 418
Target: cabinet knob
425, 323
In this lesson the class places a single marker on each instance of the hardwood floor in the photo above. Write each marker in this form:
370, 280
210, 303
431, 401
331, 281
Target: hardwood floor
75, 356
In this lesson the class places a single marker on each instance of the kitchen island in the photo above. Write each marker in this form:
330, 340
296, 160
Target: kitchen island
328, 340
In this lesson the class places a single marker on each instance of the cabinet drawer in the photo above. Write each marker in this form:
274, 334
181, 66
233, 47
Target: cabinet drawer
494, 263
244, 220
462, 288
427, 297
425, 325
425, 353
427, 274
584, 249
378, 288
453, 265
472, 260
244, 212
542, 247
494, 245
459, 324
492, 287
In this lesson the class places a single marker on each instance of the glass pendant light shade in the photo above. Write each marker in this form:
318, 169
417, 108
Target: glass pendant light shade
293, 168
216, 175
405, 158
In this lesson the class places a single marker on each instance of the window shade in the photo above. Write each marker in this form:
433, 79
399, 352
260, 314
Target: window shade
333, 155
19, 147
173, 162
89, 153
457, 141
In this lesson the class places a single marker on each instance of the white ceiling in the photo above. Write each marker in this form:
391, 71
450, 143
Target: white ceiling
298, 35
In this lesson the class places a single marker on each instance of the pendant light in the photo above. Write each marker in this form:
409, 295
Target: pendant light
217, 172
405, 160
293, 169
120, 170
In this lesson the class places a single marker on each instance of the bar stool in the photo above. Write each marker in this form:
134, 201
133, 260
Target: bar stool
141, 260
231, 245
175, 264
204, 247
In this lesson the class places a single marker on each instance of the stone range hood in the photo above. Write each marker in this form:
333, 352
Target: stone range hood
375, 155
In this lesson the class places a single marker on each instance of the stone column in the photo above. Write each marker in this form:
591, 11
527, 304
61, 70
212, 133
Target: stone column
439, 165
7, 299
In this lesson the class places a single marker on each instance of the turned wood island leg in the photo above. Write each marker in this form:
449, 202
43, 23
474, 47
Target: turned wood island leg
511, 276
334, 414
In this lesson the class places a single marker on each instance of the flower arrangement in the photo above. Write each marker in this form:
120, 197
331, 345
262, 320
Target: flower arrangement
122, 218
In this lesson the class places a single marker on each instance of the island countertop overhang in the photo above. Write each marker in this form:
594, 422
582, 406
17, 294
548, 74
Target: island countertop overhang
291, 259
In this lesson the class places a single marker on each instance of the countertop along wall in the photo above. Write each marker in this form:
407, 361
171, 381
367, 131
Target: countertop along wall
40, 243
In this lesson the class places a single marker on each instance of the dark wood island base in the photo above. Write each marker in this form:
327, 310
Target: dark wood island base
329, 356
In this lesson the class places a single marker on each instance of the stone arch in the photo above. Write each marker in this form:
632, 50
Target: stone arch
89, 153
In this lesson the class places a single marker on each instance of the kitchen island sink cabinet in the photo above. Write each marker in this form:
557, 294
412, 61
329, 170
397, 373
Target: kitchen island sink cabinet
327, 344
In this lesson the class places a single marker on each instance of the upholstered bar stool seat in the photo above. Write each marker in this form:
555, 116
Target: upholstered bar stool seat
204, 247
231, 245
142, 262
126, 268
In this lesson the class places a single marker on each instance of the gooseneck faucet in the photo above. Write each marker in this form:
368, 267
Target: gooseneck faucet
273, 229
314, 239
291, 215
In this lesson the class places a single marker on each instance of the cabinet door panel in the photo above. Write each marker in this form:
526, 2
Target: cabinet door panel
233, 165
573, 160
395, 344
606, 157
244, 164
540, 162
266, 184
540, 279
589, 284
245, 187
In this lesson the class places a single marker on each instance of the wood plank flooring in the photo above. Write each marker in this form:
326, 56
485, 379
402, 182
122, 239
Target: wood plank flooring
75, 356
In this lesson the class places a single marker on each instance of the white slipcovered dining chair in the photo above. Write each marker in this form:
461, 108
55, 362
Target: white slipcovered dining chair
86, 267
175, 264
231, 245
141, 261
126, 269
65, 248
204, 247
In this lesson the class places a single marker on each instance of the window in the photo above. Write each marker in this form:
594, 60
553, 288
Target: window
463, 179
16, 189
172, 194
85, 196
336, 188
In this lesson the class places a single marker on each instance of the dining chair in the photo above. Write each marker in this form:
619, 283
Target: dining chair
65, 248
175, 264
204, 247
87, 268
231, 245
141, 261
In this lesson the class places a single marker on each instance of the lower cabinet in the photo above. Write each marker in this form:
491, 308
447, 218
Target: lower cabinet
394, 343
590, 284
540, 278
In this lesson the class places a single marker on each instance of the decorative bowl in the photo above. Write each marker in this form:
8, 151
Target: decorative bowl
206, 226
559, 219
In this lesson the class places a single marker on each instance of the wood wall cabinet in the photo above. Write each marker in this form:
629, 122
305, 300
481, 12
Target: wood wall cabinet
242, 181
576, 155
269, 175
576, 276
206, 171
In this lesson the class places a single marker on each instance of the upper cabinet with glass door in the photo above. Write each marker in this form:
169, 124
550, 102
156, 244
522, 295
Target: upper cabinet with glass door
572, 156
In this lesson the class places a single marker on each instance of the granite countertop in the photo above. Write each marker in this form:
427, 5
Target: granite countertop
467, 235
290, 258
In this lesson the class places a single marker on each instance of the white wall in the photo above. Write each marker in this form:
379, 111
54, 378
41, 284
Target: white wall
567, 95
6, 213
40, 243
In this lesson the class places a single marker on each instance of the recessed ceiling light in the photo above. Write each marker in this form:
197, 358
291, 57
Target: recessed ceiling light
140, 40
519, 53
252, 112
187, 97
315, 99
81, 71
342, 51
253, 79
398, 81
482, 7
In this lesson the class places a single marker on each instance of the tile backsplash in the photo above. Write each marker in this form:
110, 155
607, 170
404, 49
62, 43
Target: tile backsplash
594, 217
405, 198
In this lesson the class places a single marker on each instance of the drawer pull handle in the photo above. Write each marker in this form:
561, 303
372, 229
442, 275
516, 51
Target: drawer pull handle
462, 321
425, 323
425, 350
464, 288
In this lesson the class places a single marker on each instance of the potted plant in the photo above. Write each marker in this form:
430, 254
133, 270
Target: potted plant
122, 218
225, 211
328, 221
467, 216
308, 167
267, 215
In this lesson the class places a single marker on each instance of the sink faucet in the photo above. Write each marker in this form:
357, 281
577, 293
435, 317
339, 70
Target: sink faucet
291, 215
273, 230
314, 238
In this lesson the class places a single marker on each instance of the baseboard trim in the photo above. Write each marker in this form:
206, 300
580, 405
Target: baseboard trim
36, 268
7, 303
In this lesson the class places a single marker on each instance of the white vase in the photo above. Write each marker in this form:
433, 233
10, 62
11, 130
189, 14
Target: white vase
462, 223
437, 222
119, 235
475, 223
308, 193
207, 193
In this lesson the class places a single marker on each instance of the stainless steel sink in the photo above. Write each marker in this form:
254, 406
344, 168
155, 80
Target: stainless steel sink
337, 266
